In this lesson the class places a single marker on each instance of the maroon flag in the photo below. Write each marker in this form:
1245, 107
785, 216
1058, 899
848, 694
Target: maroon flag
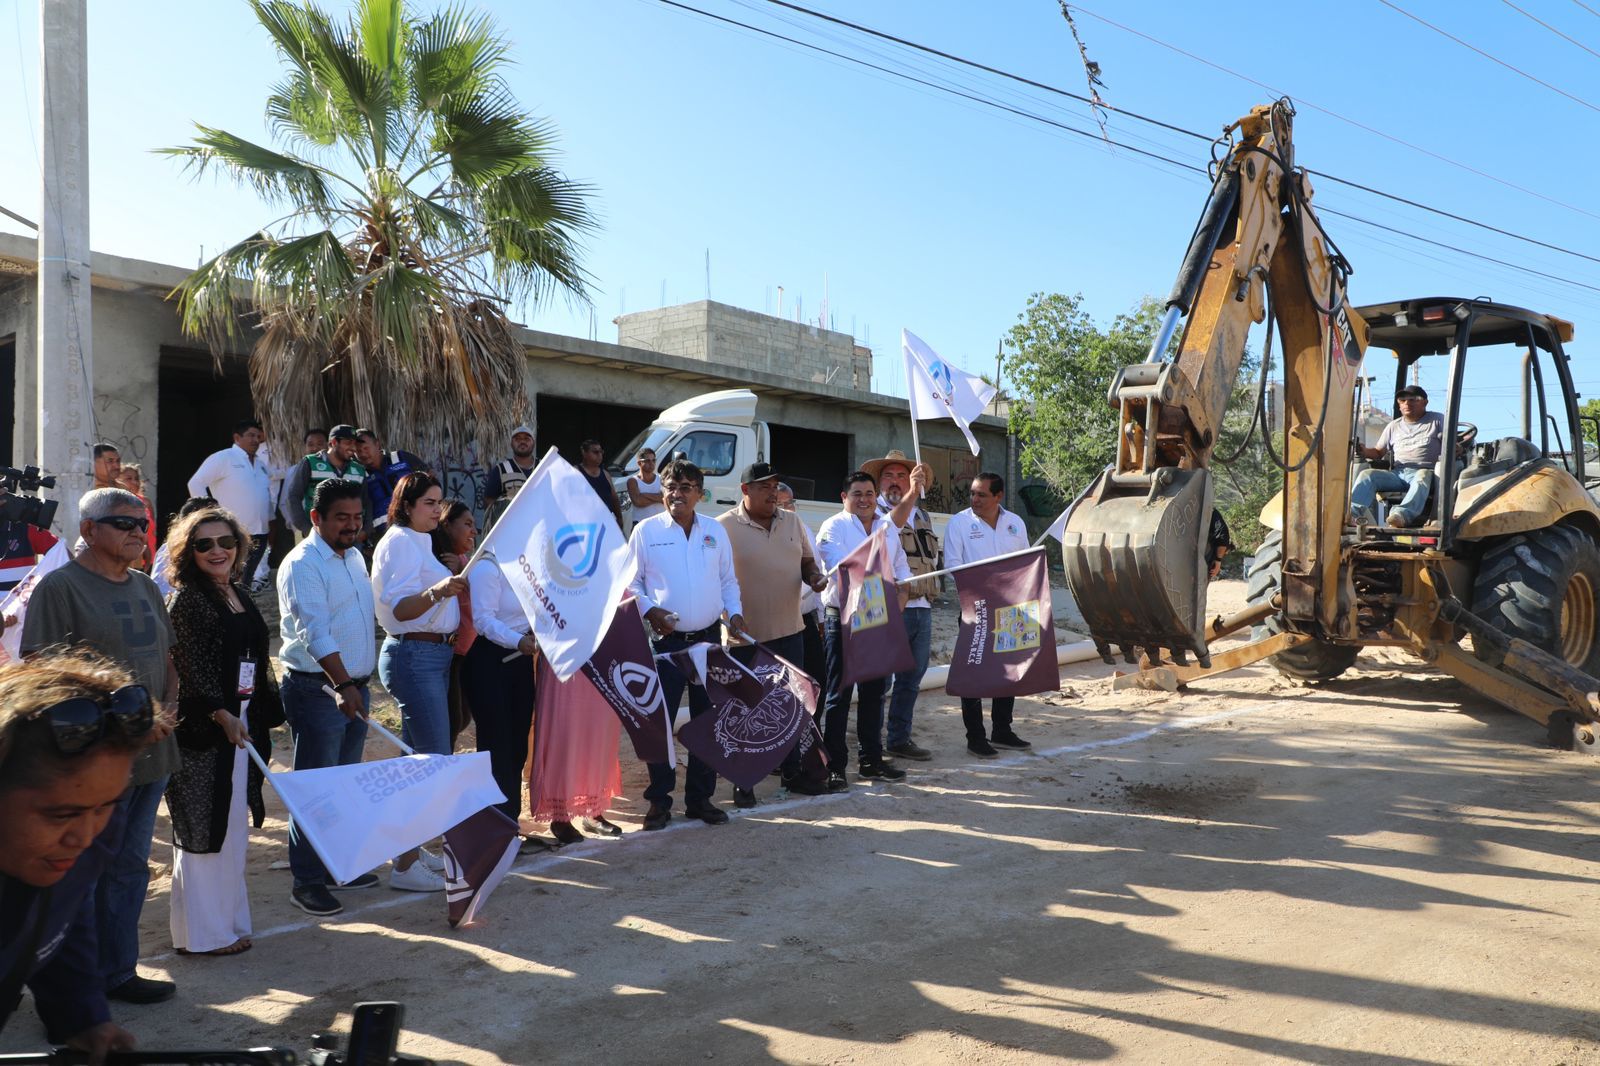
875, 641
758, 712
624, 672
477, 854
1006, 644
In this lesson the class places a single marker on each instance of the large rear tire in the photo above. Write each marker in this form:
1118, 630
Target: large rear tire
1316, 661
1544, 587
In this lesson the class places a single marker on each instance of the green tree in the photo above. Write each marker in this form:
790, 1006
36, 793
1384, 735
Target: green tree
1060, 365
418, 204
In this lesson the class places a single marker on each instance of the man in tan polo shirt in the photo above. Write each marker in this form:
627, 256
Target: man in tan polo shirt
769, 551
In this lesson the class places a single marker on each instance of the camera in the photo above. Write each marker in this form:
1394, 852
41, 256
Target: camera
16, 507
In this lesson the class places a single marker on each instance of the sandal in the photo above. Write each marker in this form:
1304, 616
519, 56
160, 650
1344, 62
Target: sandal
238, 947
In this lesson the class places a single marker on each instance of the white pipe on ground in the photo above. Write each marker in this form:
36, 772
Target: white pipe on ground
1081, 652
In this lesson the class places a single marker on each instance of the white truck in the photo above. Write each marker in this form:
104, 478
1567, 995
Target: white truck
720, 433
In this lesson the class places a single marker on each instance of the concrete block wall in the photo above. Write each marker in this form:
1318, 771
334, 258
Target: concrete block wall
719, 333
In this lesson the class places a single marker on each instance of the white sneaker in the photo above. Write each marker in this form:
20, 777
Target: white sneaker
416, 878
432, 860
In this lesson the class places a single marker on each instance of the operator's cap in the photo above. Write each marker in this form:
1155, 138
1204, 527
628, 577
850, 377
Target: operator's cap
342, 432
1412, 390
757, 472
523, 429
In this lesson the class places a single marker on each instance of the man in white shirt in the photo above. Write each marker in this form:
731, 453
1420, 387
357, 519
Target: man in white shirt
983, 531
840, 535
685, 583
238, 479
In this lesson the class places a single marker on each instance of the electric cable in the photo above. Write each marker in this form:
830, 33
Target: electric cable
1535, 18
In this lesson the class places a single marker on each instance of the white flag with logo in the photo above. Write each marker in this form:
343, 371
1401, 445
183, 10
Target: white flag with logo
358, 817
939, 390
15, 606
563, 554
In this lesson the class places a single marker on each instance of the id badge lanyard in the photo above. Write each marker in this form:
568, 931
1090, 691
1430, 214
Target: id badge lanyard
247, 684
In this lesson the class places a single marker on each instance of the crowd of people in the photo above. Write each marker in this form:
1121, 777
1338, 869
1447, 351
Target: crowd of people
180, 683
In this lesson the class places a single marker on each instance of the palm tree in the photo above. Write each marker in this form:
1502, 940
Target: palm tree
419, 204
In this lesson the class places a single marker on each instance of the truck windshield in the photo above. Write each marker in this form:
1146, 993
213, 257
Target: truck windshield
652, 437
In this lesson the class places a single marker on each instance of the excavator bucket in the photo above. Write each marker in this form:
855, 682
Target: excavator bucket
1135, 561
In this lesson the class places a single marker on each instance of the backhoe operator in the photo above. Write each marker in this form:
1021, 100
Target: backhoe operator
1414, 439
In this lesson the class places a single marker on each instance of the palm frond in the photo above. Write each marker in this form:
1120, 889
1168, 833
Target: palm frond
486, 137
454, 53
297, 112
274, 176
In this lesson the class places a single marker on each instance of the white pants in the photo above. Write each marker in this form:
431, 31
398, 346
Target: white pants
210, 904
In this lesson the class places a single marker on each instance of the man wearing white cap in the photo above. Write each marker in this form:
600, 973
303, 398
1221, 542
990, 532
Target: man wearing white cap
507, 476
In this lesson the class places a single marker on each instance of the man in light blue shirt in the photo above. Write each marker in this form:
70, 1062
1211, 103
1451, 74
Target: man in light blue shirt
329, 641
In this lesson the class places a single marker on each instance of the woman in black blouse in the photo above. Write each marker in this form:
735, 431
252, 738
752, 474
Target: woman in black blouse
226, 696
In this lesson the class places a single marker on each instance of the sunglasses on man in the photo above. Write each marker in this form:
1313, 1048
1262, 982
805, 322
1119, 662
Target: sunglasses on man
227, 542
78, 723
126, 523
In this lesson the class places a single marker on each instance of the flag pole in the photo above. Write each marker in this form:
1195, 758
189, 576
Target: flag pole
981, 562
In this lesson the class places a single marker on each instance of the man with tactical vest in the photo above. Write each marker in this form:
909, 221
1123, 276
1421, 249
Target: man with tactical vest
336, 461
901, 483
508, 475
384, 467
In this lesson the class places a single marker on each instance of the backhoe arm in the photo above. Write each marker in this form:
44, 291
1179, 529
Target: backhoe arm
1135, 543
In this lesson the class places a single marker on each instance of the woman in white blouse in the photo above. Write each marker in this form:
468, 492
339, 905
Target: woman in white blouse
414, 597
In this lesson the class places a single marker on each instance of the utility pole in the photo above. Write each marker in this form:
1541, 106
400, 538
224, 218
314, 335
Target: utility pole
65, 421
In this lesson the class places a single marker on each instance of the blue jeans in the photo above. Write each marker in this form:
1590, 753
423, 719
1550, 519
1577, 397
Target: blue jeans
836, 708
417, 675
905, 686
119, 893
323, 736
700, 780
1414, 481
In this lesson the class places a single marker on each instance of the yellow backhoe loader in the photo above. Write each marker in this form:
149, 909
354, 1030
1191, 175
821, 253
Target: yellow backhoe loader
1505, 551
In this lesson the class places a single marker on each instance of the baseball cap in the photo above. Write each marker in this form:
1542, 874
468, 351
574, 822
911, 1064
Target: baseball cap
1412, 390
523, 429
342, 432
757, 472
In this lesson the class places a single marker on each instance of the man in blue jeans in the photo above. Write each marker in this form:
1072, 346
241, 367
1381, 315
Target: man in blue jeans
99, 600
901, 483
329, 642
1414, 440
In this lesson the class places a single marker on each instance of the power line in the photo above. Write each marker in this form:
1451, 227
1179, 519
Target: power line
989, 102
1587, 8
1491, 58
1167, 125
1552, 29
1301, 101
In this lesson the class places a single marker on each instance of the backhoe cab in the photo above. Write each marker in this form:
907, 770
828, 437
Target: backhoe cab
1505, 551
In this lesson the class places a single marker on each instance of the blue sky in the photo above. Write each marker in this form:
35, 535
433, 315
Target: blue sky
905, 206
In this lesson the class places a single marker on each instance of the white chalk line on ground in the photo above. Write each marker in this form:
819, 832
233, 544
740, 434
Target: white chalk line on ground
598, 844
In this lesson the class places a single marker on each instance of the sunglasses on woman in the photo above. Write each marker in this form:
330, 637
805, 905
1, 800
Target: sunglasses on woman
227, 542
127, 523
78, 723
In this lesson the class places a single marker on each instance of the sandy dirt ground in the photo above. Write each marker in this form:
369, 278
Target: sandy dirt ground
1381, 869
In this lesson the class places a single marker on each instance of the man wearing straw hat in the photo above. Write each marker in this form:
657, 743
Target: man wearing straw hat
901, 483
